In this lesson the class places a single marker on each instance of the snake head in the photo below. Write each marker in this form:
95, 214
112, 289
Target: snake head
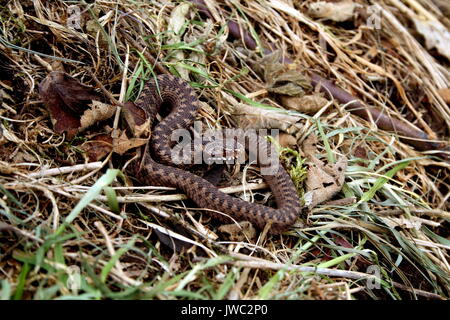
227, 150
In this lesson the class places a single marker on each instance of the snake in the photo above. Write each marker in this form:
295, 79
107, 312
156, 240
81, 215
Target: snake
155, 166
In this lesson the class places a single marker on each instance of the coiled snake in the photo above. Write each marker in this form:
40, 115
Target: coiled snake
173, 91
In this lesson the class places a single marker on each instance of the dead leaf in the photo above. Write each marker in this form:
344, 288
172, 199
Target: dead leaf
248, 117
308, 104
243, 231
136, 119
97, 148
339, 11
66, 98
435, 34
94, 29
6, 168
123, 143
323, 180
176, 22
24, 157
360, 152
341, 241
310, 146
280, 79
286, 140
98, 111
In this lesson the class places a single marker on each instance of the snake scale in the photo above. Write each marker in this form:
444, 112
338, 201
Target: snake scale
172, 91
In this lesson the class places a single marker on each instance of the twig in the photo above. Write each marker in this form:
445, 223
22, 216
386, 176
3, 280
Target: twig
178, 197
26, 234
418, 291
257, 263
64, 170
105, 92
251, 262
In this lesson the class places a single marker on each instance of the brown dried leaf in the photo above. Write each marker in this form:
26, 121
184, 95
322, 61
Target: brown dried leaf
123, 143
94, 29
249, 117
310, 146
6, 168
136, 119
361, 152
341, 241
308, 104
238, 232
280, 79
98, 111
323, 180
286, 140
66, 98
97, 148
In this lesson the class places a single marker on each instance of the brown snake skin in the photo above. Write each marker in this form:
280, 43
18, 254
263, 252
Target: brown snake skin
175, 92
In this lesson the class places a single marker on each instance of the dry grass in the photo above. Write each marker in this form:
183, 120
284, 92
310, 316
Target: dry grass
392, 243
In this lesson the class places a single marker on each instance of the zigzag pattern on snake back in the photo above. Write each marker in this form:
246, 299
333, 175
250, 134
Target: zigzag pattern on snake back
175, 92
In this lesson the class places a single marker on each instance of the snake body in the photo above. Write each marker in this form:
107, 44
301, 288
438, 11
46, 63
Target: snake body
184, 104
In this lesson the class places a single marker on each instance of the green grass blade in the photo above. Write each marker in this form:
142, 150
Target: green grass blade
337, 260
21, 282
107, 268
381, 181
326, 144
199, 267
93, 192
226, 286
112, 199
266, 290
